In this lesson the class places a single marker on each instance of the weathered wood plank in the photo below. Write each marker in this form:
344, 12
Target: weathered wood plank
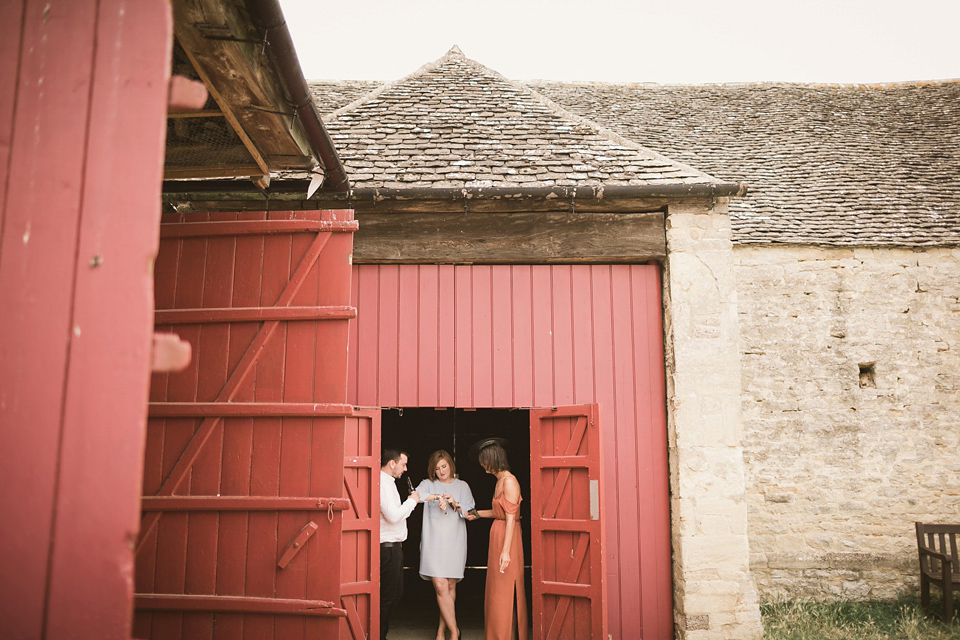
509, 238
218, 44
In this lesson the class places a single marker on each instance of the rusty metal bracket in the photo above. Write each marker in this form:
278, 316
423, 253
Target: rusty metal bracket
298, 543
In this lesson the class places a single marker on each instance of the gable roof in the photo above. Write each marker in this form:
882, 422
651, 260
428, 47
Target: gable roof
833, 165
456, 124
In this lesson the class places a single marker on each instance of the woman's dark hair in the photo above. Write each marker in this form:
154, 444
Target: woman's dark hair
435, 457
493, 457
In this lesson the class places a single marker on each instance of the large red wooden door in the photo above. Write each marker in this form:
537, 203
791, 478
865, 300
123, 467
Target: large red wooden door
360, 573
243, 479
569, 592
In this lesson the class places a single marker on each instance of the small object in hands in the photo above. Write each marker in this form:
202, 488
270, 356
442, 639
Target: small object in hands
409, 484
473, 512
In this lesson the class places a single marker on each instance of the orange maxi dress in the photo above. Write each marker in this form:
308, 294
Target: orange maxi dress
505, 598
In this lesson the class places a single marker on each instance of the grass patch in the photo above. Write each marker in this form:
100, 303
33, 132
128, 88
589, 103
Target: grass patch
901, 619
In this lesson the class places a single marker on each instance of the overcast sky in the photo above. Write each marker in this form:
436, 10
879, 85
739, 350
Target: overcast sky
665, 41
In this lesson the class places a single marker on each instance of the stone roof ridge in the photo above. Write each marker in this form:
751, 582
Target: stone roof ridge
453, 53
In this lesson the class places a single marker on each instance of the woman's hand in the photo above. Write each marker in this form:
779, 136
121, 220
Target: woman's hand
504, 560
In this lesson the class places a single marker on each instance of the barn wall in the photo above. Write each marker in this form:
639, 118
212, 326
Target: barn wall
838, 471
539, 336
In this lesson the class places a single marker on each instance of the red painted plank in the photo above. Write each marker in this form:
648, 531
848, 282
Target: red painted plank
561, 276
428, 293
388, 334
583, 308
10, 42
40, 216
294, 471
334, 290
97, 510
501, 316
409, 333
463, 337
521, 336
447, 319
614, 393
482, 336
654, 505
543, 348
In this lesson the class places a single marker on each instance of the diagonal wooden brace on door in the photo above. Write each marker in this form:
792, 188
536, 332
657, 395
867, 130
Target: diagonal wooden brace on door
246, 364
563, 477
563, 603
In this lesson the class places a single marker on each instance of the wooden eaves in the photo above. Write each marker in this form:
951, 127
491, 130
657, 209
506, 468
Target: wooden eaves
261, 115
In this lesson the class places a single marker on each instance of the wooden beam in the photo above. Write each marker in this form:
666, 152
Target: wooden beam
235, 604
509, 238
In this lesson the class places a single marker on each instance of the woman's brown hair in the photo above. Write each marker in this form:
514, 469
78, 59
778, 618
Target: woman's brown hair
493, 457
435, 457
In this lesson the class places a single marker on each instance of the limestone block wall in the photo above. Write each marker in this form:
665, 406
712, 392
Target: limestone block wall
714, 595
850, 365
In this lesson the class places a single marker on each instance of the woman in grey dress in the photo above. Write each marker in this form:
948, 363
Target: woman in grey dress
443, 543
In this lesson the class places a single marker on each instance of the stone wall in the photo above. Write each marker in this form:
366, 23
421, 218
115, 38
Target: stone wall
850, 364
714, 595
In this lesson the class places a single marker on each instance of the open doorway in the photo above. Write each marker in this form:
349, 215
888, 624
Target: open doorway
420, 432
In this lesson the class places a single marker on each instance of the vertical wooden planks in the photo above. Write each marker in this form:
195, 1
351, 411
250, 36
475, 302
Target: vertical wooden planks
523, 363
542, 310
501, 319
586, 332
481, 349
37, 263
75, 249
654, 535
410, 333
428, 359
447, 368
360, 564
388, 325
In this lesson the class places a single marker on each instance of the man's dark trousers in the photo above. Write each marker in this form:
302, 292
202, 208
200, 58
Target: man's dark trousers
391, 582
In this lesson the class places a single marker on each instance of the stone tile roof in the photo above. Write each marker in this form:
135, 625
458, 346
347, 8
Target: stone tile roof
834, 165
847, 165
456, 124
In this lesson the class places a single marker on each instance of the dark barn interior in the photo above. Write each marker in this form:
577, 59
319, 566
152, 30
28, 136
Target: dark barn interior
420, 432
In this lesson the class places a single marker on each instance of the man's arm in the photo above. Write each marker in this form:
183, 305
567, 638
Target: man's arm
391, 508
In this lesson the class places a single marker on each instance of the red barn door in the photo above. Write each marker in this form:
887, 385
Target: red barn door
360, 589
243, 480
569, 592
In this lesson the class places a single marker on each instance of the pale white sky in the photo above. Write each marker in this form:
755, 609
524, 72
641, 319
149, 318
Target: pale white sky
665, 41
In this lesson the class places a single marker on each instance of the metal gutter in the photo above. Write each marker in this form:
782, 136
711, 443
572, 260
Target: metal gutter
282, 190
267, 16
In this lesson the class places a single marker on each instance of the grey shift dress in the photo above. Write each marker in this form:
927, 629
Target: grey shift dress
443, 541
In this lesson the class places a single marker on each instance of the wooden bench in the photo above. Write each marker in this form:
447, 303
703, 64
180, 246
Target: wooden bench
939, 563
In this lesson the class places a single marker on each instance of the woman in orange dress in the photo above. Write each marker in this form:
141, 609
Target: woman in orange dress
505, 604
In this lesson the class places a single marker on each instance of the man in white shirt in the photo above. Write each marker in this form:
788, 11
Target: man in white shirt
393, 531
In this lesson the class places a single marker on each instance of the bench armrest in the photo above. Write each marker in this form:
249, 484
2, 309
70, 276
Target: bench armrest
942, 557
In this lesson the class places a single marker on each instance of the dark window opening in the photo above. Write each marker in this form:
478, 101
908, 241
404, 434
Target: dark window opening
868, 375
